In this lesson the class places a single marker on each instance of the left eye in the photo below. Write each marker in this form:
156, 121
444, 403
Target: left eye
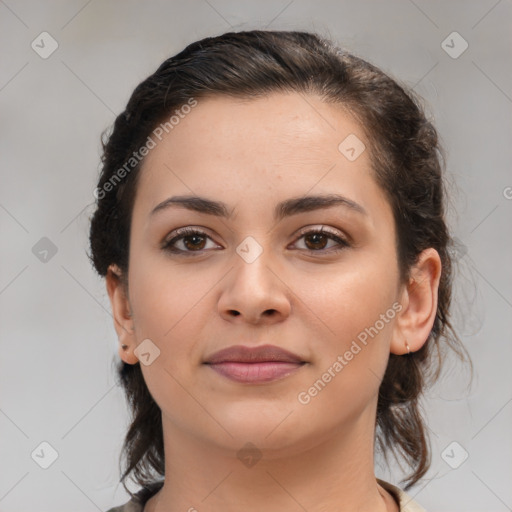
317, 239
195, 241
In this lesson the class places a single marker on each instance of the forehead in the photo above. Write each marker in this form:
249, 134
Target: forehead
279, 124
280, 144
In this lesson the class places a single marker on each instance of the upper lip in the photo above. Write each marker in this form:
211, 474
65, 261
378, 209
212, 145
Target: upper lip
245, 354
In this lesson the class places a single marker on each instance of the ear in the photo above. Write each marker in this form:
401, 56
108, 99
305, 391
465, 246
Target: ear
419, 301
123, 321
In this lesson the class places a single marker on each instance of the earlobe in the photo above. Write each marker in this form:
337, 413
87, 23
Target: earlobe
415, 321
123, 321
126, 353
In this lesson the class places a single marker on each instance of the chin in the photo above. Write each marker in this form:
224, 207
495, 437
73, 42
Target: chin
271, 427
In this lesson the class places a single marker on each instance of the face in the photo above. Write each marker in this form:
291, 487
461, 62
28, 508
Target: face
256, 270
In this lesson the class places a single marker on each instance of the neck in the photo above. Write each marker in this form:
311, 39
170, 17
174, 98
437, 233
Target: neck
335, 473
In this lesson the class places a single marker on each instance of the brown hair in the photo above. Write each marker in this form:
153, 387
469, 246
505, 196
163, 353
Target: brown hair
407, 162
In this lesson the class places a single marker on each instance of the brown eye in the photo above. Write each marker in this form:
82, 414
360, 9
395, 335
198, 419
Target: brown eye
317, 240
194, 242
188, 240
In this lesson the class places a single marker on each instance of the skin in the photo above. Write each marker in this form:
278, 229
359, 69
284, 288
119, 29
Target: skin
252, 155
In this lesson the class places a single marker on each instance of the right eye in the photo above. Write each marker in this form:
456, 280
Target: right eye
191, 240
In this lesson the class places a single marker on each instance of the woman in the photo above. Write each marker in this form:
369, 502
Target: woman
270, 224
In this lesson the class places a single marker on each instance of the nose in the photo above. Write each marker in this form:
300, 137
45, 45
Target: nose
254, 293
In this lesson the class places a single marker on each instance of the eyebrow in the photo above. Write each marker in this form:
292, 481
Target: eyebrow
292, 206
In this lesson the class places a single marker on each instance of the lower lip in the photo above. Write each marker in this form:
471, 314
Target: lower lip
256, 372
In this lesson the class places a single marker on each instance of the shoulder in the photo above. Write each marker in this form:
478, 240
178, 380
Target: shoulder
406, 503
130, 506
136, 504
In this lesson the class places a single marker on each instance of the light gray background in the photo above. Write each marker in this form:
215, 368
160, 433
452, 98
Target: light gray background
57, 337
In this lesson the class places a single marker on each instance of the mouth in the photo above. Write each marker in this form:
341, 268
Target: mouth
261, 364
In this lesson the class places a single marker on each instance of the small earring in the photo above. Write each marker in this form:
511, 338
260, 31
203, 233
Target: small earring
407, 346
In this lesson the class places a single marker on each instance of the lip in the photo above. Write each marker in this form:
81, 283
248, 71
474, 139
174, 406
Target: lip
265, 363
260, 354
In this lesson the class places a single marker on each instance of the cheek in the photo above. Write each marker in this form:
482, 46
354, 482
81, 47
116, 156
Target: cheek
349, 300
172, 309
161, 294
356, 309
347, 373
168, 311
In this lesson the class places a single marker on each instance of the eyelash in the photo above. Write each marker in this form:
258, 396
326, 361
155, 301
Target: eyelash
187, 232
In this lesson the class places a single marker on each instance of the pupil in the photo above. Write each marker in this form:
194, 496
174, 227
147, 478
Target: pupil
195, 245
317, 238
